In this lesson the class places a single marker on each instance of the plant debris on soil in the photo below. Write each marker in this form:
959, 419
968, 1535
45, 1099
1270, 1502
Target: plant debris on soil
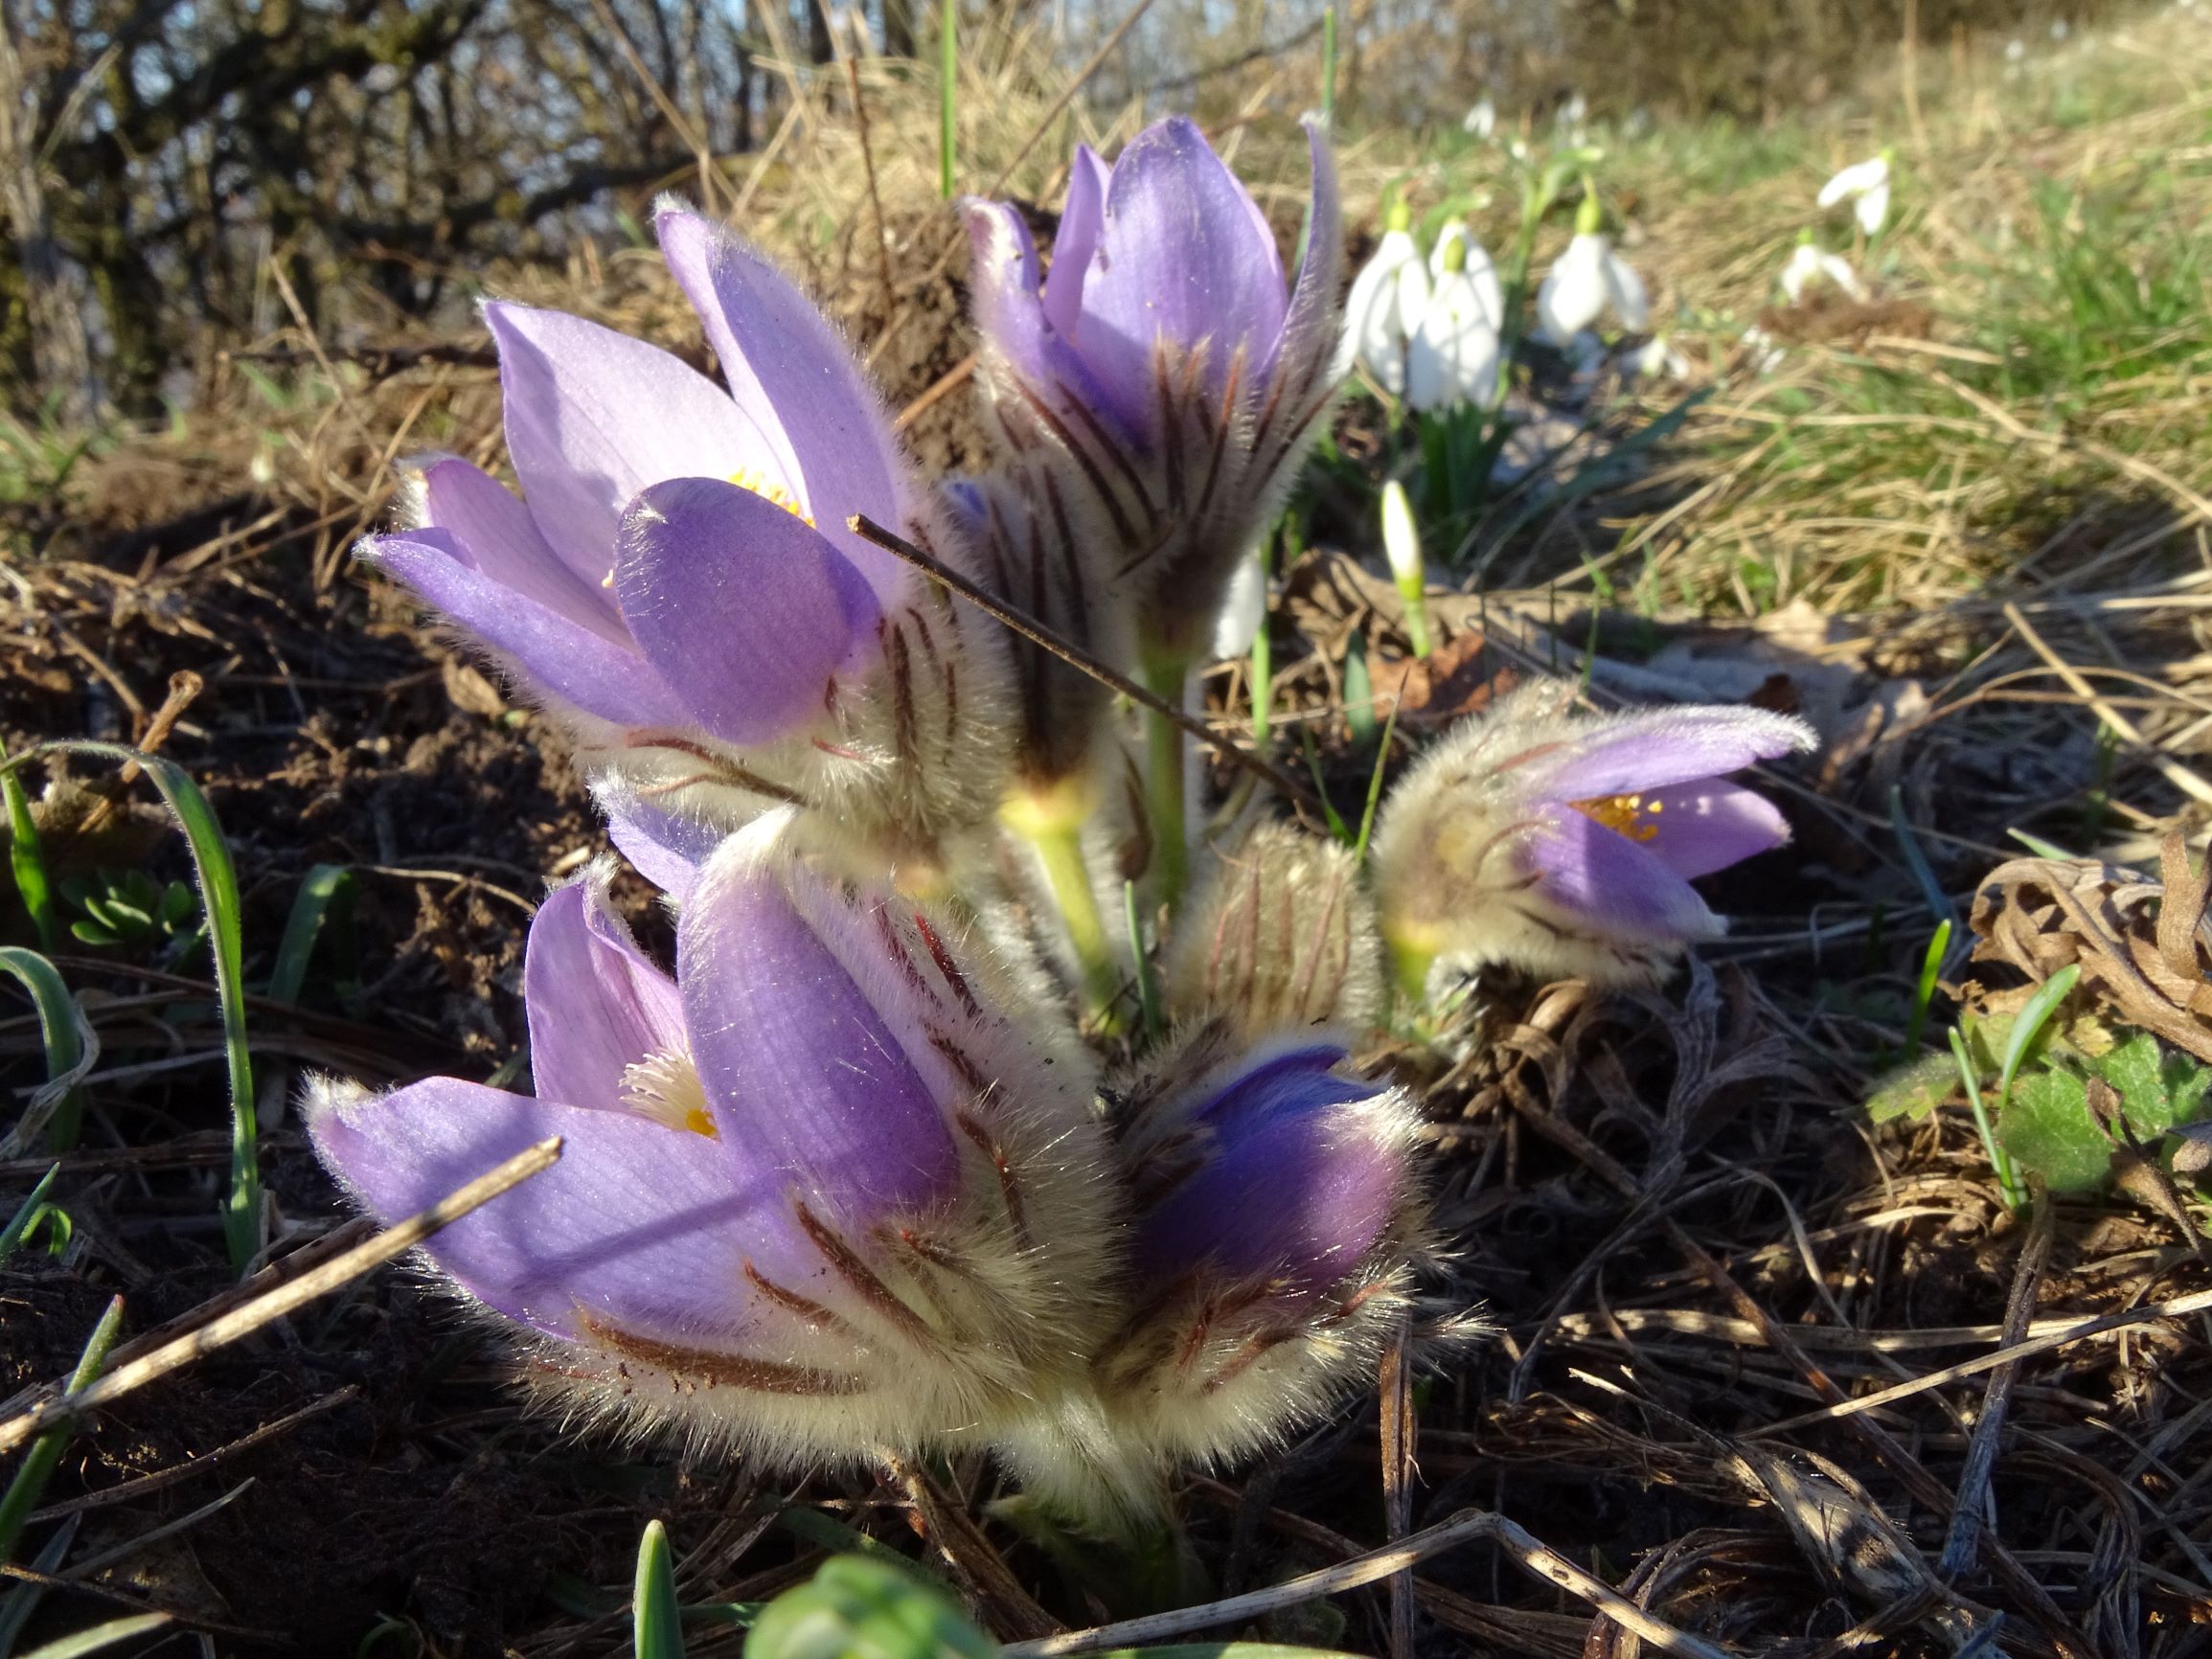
1745, 1364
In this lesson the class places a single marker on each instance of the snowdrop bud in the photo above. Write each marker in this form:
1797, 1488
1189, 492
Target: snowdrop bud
1561, 842
1402, 544
1243, 610
1280, 937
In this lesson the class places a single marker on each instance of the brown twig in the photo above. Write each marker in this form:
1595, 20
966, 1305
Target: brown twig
868, 161
1037, 634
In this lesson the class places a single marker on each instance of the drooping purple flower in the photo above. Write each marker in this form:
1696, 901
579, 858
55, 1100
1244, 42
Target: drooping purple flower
1162, 364
1561, 842
1277, 1211
817, 1195
678, 583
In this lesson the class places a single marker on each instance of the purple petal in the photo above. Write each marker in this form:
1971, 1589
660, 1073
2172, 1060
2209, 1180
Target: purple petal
643, 1226
593, 417
505, 544
1309, 325
554, 654
1658, 747
1075, 244
791, 372
1183, 253
746, 610
1614, 882
800, 1062
1706, 826
596, 1004
1002, 279
666, 847
1299, 1181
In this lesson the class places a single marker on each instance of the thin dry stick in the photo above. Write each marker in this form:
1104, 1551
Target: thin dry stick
946, 384
2169, 768
1395, 1387
285, 1299
1534, 1556
1037, 634
868, 161
1964, 1543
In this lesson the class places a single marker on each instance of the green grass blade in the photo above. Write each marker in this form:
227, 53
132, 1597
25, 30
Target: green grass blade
23, 1600
1374, 788
1358, 689
947, 95
1337, 825
1923, 993
2040, 848
1999, 1160
99, 1636
37, 1465
218, 891
60, 1031
2033, 1019
655, 1619
26, 859
325, 887
1939, 906
26, 1214
1148, 985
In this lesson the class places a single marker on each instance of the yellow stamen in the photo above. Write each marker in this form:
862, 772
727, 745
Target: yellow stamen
666, 1088
1629, 815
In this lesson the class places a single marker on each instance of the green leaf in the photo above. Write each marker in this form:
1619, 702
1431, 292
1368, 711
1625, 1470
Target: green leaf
323, 886
856, 1608
2048, 1127
655, 1619
1914, 1090
219, 889
175, 904
60, 1029
26, 1214
38, 1463
92, 933
27, 860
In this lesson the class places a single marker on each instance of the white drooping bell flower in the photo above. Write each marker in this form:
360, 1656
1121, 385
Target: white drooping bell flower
1811, 263
1481, 120
1586, 278
1454, 358
1402, 545
1387, 302
1661, 359
1866, 186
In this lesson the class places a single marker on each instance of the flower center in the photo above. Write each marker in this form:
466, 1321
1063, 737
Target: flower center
666, 1088
1629, 815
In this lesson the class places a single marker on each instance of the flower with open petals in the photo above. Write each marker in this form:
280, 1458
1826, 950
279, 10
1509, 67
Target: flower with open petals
1454, 358
1866, 186
1558, 842
1586, 279
1811, 263
1163, 365
818, 1194
1388, 299
1278, 1215
678, 584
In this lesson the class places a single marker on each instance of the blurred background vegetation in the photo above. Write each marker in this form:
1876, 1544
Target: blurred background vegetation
182, 175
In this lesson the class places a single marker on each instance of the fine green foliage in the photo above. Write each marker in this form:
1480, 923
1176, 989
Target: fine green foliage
325, 892
30, 1213
2050, 1127
219, 888
655, 1619
127, 908
60, 1031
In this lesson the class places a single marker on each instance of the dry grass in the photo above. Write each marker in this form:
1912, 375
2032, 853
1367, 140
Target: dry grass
1696, 1250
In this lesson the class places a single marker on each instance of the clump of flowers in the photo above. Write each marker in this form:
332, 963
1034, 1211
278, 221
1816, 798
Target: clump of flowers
902, 1156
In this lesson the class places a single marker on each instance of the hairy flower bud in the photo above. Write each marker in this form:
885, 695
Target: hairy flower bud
1280, 937
1562, 843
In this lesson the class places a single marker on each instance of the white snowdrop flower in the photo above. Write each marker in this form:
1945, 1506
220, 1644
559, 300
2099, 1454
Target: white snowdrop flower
1454, 354
1471, 257
1243, 610
1866, 186
1763, 353
2060, 29
1586, 279
1574, 112
1481, 120
1385, 306
1659, 359
2016, 49
1810, 264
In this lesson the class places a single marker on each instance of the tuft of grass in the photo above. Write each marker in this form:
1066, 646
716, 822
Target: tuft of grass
61, 1030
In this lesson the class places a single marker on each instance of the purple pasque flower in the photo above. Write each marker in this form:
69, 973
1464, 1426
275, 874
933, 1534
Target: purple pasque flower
1562, 841
817, 1196
678, 583
1162, 365
1278, 1212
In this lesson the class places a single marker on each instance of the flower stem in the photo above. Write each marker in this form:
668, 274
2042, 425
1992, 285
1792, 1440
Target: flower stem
1165, 675
1051, 820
